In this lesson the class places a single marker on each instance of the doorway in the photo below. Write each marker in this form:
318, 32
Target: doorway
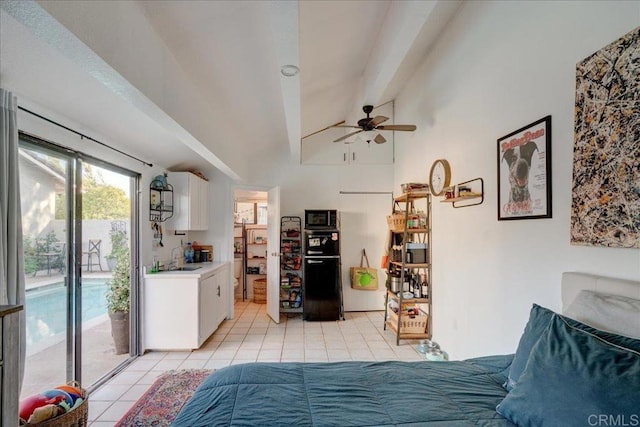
78, 215
250, 234
256, 247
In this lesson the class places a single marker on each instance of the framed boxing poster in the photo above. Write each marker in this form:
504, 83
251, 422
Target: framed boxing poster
524, 172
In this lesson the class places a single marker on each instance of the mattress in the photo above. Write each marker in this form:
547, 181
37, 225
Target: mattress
351, 394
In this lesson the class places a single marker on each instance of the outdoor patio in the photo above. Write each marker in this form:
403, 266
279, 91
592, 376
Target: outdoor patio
46, 368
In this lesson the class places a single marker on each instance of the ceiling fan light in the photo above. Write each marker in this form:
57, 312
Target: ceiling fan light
379, 139
289, 70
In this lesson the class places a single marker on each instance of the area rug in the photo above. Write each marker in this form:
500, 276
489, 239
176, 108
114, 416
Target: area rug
159, 405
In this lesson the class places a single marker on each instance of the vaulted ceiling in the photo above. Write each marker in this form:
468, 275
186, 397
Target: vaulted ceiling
349, 53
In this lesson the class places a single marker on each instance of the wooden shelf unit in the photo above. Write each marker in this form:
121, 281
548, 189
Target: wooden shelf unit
404, 325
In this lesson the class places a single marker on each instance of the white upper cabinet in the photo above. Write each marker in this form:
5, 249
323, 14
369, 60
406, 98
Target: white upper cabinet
191, 201
320, 149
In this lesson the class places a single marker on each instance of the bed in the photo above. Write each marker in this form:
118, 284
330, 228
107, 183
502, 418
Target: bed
541, 384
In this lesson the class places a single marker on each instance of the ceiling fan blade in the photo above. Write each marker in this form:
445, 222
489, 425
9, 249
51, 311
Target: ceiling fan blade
377, 120
342, 138
322, 130
346, 126
379, 139
397, 127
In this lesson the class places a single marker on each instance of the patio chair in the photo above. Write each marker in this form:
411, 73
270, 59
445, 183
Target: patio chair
93, 250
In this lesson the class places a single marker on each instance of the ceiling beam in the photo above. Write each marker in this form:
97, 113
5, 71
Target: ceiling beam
401, 27
284, 25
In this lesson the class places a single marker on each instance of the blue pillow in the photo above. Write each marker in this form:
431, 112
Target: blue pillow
539, 320
575, 378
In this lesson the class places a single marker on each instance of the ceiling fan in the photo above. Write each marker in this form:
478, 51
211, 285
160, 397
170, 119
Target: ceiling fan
372, 123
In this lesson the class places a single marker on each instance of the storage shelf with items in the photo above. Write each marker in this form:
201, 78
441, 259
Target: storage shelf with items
472, 190
254, 252
408, 310
291, 264
160, 199
238, 241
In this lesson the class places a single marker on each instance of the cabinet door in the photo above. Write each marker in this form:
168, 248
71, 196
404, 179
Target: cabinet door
222, 290
191, 202
208, 307
171, 319
198, 203
181, 200
370, 153
203, 207
194, 202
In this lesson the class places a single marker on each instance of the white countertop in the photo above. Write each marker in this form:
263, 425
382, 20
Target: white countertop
205, 267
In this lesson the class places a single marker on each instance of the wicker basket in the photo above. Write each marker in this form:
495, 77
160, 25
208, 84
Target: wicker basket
75, 418
409, 324
260, 291
396, 222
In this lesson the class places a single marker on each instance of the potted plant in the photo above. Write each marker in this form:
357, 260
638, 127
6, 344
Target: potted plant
119, 245
118, 301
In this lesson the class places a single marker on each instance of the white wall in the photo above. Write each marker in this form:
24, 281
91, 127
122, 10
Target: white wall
500, 66
318, 187
125, 39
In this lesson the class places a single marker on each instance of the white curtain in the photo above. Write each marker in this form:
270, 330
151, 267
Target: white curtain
11, 255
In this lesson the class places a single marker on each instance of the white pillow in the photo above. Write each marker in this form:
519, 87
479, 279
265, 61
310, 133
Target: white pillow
611, 313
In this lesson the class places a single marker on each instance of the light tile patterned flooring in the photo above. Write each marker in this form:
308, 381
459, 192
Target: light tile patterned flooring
252, 336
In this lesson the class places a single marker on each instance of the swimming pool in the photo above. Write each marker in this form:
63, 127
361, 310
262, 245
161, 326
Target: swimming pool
46, 311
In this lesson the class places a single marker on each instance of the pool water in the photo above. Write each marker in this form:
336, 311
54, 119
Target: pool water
46, 309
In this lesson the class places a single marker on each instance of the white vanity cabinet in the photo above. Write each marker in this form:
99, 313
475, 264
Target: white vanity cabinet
183, 308
190, 202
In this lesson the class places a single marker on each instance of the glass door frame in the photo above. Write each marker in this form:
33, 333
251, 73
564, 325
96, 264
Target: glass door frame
73, 219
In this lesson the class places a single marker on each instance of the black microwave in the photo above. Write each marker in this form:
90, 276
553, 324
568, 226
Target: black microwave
316, 219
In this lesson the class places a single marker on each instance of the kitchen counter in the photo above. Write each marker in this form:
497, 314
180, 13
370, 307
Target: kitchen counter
205, 268
181, 309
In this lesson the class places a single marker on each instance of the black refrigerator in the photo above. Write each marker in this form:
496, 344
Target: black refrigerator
322, 294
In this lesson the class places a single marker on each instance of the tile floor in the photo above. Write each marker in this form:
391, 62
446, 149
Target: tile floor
252, 336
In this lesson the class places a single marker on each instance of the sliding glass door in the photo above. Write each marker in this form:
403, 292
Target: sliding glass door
105, 269
43, 180
79, 237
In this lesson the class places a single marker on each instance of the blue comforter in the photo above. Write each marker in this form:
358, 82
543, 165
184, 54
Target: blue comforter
351, 394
